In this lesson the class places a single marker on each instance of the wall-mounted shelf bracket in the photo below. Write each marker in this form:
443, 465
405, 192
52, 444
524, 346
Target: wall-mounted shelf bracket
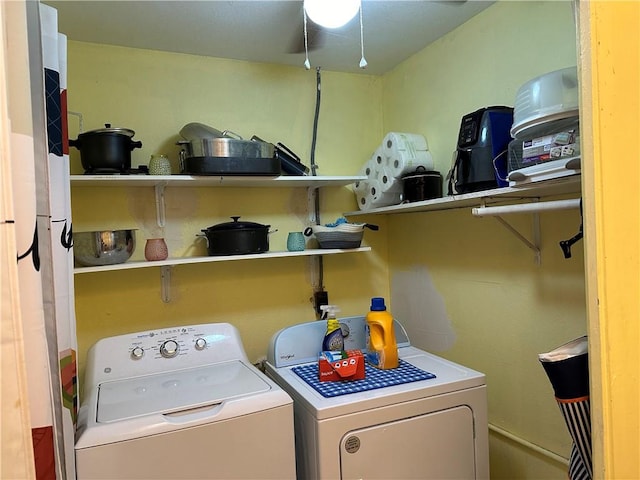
165, 283
534, 207
160, 204
535, 245
312, 196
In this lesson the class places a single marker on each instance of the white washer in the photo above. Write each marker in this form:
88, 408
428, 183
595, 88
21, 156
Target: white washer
181, 403
426, 429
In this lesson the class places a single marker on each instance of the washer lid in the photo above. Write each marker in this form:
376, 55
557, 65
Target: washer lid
176, 390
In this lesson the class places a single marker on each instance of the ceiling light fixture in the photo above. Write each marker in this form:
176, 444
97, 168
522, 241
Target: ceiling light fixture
331, 13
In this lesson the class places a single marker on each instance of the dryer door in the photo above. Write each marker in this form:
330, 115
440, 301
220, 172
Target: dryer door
438, 445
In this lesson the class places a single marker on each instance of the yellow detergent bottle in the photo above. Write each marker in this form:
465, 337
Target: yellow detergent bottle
382, 349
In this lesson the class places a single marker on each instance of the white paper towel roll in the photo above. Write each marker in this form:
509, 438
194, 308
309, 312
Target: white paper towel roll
369, 168
388, 182
378, 198
364, 200
408, 142
403, 162
361, 186
379, 158
375, 188
385, 200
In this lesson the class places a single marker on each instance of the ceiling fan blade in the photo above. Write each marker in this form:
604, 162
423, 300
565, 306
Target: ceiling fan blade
316, 36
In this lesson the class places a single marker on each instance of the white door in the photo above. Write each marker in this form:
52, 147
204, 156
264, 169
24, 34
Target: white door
438, 445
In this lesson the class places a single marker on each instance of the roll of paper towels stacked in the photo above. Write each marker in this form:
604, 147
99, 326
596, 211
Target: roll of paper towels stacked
406, 152
399, 153
380, 189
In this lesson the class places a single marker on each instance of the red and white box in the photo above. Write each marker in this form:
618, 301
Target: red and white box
332, 367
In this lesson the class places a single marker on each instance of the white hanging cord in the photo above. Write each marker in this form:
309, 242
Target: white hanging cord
307, 65
363, 62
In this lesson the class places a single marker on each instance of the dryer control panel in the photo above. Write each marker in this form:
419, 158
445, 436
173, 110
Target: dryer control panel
172, 348
301, 343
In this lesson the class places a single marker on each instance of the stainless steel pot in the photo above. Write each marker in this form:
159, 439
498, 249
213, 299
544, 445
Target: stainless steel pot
237, 238
106, 150
208, 151
106, 247
227, 147
227, 155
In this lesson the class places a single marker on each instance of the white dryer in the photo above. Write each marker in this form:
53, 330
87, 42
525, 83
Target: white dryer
427, 420
181, 403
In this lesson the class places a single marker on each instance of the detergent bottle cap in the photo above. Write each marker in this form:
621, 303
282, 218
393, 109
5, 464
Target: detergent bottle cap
377, 304
329, 311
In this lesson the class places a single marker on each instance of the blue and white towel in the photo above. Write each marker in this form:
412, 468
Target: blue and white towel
374, 378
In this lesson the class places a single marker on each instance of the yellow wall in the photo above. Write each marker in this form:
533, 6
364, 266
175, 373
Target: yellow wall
507, 268
610, 48
476, 295
156, 94
500, 310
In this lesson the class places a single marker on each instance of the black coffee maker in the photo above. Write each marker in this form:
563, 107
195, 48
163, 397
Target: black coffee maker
481, 155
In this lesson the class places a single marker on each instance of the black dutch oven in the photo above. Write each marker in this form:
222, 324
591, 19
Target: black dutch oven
237, 238
106, 150
421, 185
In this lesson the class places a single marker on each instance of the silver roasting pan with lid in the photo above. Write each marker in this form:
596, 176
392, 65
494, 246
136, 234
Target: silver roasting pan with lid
207, 151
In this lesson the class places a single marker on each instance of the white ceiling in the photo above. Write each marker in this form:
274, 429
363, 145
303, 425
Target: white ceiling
265, 31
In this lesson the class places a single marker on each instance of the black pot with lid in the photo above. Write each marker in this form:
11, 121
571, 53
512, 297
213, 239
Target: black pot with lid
421, 184
237, 238
106, 150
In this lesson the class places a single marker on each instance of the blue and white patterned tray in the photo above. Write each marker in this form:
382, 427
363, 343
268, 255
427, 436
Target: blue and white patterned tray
374, 378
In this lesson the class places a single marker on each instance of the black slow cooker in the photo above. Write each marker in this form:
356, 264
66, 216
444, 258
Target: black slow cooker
421, 184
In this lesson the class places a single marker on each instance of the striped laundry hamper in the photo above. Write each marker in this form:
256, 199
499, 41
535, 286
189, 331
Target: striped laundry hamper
568, 370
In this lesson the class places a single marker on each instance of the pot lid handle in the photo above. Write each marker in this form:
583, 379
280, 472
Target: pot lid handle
109, 129
229, 133
236, 225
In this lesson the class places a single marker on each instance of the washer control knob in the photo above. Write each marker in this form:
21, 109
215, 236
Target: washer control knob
137, 353
200, 343
169, 349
